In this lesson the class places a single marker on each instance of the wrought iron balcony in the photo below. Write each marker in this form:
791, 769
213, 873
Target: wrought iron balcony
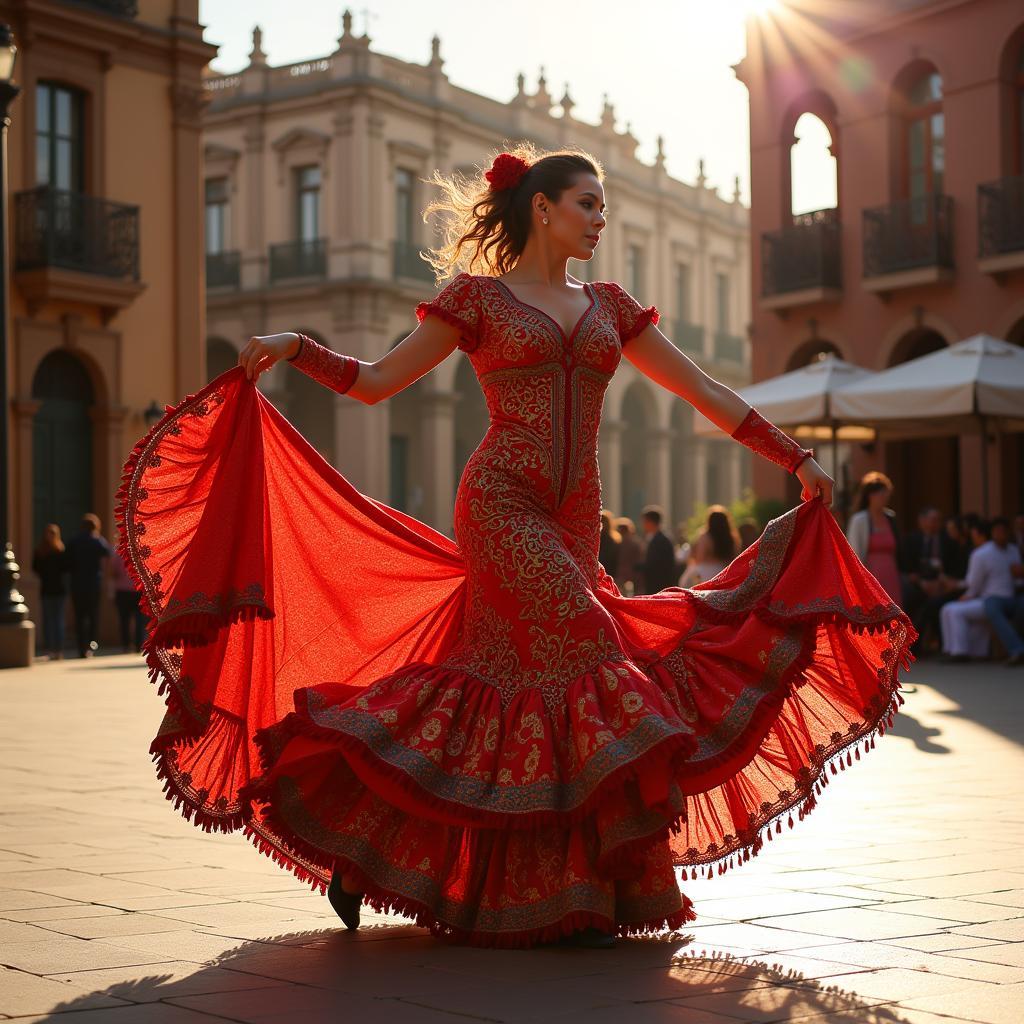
909, 235
728, 348
1001, 217
407, 262
222, 269
802, 256
298, 259
689, 337
72, 231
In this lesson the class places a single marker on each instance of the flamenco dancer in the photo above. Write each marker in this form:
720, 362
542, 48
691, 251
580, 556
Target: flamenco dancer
485, 735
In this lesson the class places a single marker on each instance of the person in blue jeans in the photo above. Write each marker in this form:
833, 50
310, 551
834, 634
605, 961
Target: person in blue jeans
50, 564
1006, 611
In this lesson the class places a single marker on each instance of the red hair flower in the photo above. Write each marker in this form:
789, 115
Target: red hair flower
506, 171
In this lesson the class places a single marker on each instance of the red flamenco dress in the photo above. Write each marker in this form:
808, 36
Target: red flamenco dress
486, 732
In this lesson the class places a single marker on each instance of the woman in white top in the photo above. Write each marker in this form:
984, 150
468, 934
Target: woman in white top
715, 547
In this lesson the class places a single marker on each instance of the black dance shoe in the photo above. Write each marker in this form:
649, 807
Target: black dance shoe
346, 904
590, 938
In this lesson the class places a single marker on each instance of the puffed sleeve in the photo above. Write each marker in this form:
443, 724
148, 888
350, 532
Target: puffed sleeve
458, 303
633, 317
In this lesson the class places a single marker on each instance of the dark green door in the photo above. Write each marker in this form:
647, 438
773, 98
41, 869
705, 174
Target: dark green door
62, 468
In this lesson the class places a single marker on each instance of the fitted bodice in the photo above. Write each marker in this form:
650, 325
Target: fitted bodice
542, 387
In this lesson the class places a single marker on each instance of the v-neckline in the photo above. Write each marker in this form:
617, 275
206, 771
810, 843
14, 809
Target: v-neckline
588, 291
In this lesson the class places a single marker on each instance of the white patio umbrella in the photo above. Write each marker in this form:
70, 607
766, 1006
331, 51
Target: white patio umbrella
803, 397
965, 386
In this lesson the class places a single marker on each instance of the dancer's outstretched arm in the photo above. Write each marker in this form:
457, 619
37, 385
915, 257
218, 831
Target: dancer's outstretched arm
654, 355
432, 341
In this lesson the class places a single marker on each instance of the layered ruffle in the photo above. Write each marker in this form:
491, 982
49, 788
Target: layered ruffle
301, 632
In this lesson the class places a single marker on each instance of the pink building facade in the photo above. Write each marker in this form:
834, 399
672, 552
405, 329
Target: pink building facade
924, 103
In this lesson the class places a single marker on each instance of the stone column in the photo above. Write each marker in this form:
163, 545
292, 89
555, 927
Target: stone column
659, 468
700, 471
22, 490
609, 455
437, 415
254, 244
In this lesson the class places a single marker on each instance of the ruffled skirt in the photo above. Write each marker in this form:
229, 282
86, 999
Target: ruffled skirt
301, 633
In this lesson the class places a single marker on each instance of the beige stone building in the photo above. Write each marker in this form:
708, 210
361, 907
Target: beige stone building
105, 207
314, 191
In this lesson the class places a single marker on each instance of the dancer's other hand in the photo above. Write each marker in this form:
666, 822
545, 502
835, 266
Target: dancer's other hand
261, 352
815, 481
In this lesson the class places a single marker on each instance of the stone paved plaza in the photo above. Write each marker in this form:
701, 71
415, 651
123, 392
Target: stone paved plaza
901, 898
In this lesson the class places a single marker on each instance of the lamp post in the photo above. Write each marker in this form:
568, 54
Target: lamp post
17, 633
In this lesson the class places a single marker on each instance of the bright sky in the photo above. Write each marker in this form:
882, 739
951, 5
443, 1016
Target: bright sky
665, 64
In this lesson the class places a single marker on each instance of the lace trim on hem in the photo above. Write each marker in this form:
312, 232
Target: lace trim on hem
309, 862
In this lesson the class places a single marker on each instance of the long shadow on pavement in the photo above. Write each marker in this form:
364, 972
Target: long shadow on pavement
402, 975
988, 694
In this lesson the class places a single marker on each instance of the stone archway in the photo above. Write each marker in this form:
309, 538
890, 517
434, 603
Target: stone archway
471, 415
638, 416
62, 443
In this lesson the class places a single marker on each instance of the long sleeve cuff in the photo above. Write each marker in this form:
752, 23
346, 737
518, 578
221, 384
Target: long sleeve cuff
332, 369
768, 441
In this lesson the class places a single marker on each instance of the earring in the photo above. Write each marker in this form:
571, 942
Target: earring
545, 220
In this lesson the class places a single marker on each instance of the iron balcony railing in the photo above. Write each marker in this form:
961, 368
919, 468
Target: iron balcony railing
407, 262
689, 337
58, 228
223, 269
909, 234
298, 259
804, 254
1001, 216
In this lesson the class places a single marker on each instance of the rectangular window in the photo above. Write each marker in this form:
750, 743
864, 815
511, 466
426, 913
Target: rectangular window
59, 141
403, 205
683, 293
307, 190
635, 269
216, 215
722, 302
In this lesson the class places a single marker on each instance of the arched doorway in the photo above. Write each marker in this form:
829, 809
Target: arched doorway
406, 486
637, 418
684, 452
471, 416
924, 471
221, 356
62, 444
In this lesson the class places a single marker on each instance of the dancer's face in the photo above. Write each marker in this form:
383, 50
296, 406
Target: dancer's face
576, 221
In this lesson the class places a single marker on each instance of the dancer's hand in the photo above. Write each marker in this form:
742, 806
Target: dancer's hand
815, 481
260, 353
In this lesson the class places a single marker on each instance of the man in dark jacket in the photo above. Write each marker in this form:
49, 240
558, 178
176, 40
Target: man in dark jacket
929, 561
87, 554
659, 566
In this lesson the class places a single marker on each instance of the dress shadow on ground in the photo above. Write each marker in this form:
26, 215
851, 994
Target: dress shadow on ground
401, 974
965, 687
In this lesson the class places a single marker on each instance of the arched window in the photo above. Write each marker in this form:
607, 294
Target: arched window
813, 181
924, 135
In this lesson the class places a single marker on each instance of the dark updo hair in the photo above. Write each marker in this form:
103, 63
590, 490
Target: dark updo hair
486, 231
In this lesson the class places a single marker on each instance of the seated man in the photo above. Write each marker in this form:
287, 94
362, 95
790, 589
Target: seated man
965, 626
1003, 610
931, 566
